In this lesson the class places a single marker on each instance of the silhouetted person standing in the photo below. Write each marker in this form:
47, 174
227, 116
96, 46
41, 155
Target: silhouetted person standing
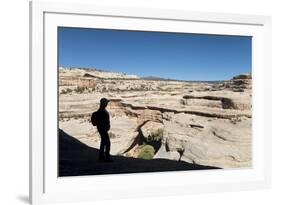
103, 126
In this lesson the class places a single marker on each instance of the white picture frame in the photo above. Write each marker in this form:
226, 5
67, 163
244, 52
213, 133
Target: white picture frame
46, 187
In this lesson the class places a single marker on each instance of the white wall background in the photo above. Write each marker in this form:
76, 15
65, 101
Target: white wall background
14, 100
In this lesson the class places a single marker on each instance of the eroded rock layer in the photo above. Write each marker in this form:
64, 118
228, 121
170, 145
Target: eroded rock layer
197, 122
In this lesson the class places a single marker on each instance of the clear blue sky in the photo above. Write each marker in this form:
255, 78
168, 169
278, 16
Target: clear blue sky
168, 55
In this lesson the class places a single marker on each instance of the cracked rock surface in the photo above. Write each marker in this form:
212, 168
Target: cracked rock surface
197, 122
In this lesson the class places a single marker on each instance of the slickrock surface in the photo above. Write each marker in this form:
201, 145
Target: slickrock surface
203, 123
77, 159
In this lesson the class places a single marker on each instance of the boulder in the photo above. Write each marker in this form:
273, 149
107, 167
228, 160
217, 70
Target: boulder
206, 141
150, 128
163, 154
123, 133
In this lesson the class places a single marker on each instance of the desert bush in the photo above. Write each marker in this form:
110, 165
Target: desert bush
63, 92
147, 152
80, 89
68, 90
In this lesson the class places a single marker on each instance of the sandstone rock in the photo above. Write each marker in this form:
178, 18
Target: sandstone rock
239, 83
202, 123
218, 143
242, 76
163, 154
124, 132
150, 128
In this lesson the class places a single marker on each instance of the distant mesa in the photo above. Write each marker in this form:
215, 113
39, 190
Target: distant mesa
105, 74
242, 76
239, 83
96, 73
155, 78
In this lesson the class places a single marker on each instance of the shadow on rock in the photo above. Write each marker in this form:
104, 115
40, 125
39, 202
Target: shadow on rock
76, 159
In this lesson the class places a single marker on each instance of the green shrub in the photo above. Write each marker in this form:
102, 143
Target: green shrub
147, 152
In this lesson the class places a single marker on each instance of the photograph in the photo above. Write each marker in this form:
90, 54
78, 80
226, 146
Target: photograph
134, 101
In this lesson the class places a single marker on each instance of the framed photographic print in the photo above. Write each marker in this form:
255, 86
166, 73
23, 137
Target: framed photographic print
130, 102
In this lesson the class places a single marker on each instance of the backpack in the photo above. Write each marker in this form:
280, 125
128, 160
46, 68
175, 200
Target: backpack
94, 118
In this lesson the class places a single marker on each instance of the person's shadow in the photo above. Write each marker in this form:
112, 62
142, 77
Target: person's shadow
76, 159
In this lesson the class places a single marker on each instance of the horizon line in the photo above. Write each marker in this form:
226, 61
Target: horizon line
164, 78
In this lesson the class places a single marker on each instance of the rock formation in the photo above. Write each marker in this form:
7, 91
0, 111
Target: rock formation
196, 122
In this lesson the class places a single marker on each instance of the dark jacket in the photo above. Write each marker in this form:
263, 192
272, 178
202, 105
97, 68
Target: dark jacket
103, 122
